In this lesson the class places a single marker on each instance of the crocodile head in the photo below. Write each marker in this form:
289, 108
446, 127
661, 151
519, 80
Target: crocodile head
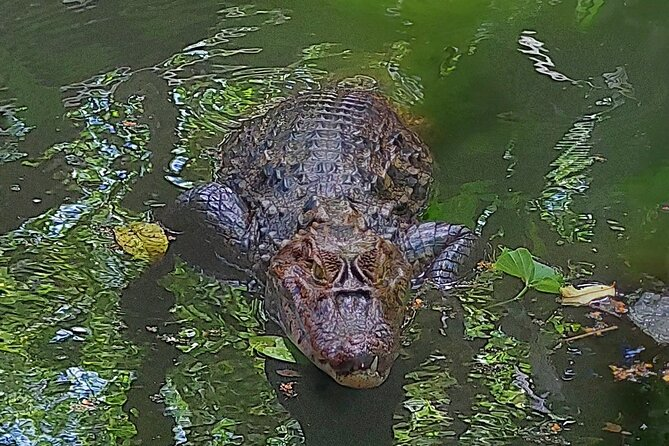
341, 299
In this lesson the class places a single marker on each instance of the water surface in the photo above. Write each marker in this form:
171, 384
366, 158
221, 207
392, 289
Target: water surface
546, 119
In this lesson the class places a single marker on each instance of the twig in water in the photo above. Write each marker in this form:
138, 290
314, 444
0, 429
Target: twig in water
591, 333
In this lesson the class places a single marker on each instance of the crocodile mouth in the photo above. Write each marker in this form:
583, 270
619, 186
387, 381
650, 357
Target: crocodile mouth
366, 376
346, 334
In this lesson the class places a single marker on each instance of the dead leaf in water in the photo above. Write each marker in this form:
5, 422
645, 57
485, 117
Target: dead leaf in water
633, 373
288, 389
583, 296
619, 307
615, 428
288, 373
145, 241
612, 427
417, 303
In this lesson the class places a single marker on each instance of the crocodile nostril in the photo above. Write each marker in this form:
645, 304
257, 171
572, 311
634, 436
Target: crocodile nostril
342, 296
359, 363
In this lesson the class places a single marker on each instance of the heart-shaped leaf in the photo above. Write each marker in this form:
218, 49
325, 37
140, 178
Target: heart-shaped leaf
520, 263
517, 263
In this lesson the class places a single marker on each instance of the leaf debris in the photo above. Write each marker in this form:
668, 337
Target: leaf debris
637, 370
597, 332
273, 346
573, 296
615, 428
144, 241
288, 389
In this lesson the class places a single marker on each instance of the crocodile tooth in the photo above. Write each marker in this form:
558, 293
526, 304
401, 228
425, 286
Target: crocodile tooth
375, 365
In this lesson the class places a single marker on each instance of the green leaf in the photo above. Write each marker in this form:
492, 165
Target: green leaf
517, 263
548, 284
542, 271
520, 263
272, 346
546, 279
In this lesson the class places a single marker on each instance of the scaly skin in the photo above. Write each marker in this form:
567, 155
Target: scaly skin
320, 198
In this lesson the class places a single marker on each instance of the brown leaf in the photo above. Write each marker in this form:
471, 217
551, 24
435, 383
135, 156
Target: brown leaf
596, 315
288, 373
287, 389
637, 370
615, 428
612, 427
417, 303
619, 307
485, 266
583, 296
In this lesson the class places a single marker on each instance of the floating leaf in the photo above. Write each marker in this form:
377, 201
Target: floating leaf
637, 370
546, 279
145, 241
612, 427
517, 263
561, 326
520, 263
548, 284
272, 346
288, 373
583, 296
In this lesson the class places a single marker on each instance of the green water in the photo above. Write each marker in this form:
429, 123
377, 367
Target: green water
547, 119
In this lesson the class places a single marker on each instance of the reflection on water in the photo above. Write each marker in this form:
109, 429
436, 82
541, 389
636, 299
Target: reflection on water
506, 133
214, 324
12, 131
60, 270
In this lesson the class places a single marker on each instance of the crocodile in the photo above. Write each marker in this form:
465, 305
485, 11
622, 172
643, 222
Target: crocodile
320, 199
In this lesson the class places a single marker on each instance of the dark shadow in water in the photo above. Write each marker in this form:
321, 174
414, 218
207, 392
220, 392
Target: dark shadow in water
145, 304
331, 414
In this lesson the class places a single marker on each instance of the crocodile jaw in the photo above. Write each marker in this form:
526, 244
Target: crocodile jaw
362, 379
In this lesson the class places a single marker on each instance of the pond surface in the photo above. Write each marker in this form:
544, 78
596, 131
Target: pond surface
547, 119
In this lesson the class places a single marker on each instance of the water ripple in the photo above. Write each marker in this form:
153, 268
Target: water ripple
538, 53
13, 130
570, 176
61, 266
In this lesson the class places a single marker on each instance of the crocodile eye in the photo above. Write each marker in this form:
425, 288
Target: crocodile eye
331, 263
318, 272
367, 264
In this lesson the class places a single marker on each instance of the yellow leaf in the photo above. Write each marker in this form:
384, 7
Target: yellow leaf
583, 296
146, 241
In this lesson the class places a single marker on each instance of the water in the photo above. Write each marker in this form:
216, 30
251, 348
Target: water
547, 121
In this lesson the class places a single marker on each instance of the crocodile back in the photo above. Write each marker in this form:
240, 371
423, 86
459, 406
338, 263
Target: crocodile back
327, 144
